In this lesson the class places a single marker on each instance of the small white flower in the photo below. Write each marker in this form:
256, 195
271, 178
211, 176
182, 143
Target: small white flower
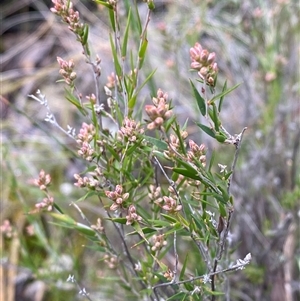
206, 278
210, 213
71, 130
83, 292
197, 290
223, 168
107, 91
242, 262
71, 278
50, 118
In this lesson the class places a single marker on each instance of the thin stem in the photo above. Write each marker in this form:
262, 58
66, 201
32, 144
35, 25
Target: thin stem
171, 182
238, 141
142, 37
118, 46
220, 251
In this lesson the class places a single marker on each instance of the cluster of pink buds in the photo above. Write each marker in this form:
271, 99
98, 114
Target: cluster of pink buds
67, 71
158, 242
64, 9
174, 144
111, 261
169, 204
111, 81
204, 62
197, 152
43, 181
46, 203
132, 215
118, 197
6, 229
85, 136
130, 130
86, 182
169, 275
155, 192
159, 112
93, 182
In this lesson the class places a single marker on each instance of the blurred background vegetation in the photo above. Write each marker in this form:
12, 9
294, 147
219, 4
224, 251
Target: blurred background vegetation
256, 43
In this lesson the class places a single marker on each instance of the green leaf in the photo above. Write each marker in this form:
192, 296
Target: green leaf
158, 223
222, 97
206, 129
112, 19
72, 99
187, 173
222, 210
139, 23
84, 229
181, 276
225, 194
212, 159
104, 3
169, 122
125, 40
87, 195
224, 93
112, 152
159, 144
200, 100
199, 223
220, 137
132, 101
115, 57
139, 230
85, 34
215, 117
181, 296
181, 142
169, 218
142, 52
119, 220
58, 208
64, 218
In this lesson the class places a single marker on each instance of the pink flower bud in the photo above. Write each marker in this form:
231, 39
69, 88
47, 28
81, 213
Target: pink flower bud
203, 71
196, 65
119, 189
168, 114
158, 121
211, 58
203, 56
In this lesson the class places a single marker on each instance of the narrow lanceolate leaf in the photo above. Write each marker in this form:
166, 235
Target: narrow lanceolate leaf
139, 230
104, 3
125, 41
206, 129
112, 19
215, 117
132, 100
159, 144
72, 99
224, 93
200, 100
115, 56
85, 34
181, 276
142, 52
222, 97
138, 23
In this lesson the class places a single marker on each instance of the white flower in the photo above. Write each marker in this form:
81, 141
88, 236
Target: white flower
222, 168
206, 278
71, 278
